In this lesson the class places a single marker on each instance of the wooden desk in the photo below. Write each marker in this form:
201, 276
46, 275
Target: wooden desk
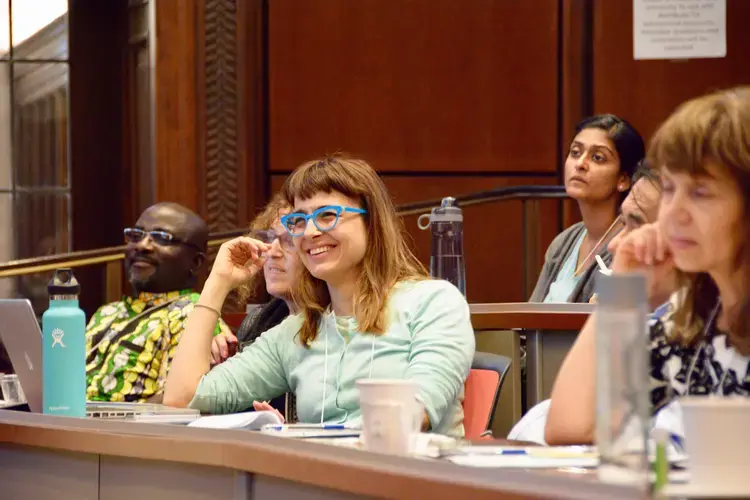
550, 331
85, 459
530, 316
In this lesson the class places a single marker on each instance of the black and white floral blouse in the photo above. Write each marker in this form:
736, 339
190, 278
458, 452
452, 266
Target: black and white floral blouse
710, 366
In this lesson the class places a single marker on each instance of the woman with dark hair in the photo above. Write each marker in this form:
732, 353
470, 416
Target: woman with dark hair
602, 158
701, 345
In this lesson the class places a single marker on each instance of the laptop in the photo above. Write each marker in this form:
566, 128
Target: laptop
19, 331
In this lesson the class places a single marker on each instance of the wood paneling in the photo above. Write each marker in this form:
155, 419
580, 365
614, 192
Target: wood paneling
575, 85
231, 110
175, 94
492, 232
575, 52
252, 104
420, 87
97, 36
219, 95
140, 187
209, 108
427, 85
646, 92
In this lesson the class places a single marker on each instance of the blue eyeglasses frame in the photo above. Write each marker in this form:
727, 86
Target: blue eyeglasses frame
335, 208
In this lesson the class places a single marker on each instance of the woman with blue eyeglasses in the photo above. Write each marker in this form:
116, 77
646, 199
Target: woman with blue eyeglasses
367, 309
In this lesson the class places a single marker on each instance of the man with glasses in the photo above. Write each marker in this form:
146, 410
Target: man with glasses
639, 208
130, 343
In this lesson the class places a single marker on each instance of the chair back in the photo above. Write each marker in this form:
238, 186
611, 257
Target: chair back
482, 390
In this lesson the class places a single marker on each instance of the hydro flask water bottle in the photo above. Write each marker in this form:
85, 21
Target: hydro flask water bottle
447, 256
64, 348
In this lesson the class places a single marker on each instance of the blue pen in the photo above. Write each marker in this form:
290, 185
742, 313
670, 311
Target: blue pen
677, 441
485, 450
513, 452
324, 427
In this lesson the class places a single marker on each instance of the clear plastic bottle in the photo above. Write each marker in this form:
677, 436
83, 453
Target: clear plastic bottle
447, 255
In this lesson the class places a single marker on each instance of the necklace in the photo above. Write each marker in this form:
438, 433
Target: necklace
581, 267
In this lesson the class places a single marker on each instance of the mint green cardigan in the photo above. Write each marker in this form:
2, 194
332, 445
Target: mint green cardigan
429, 340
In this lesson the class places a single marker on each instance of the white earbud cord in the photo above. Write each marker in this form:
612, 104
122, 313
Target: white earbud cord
325, 381
372, 356
325, 372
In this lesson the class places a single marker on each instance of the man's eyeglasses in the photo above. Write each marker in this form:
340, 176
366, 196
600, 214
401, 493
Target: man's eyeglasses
268, 236
163, 238
324, 218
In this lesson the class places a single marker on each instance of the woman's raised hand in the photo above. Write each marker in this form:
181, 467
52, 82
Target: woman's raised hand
238, 260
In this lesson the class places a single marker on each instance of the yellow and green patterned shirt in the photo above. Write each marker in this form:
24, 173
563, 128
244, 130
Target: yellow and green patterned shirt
127, 359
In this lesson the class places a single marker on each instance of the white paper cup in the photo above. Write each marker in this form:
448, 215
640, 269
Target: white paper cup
717, 441
391, 415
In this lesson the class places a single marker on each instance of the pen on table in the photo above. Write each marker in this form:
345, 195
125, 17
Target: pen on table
324, 427
513, 452
480, 450
676, 440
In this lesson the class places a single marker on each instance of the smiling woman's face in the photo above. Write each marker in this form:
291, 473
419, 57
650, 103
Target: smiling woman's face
592, 167
282, 262
334, 256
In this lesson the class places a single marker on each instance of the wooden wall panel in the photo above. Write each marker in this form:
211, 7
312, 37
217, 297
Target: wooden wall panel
140, 185
219, 95
97, 35
175, 95
415, 85
210, 152
646, 92
492, 232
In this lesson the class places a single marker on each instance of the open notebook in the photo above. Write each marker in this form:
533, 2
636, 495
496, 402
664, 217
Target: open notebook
269, 422
251, 420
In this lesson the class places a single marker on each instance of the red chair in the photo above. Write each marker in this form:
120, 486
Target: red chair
482, 390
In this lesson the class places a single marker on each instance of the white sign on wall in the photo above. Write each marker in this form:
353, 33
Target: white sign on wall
679, 29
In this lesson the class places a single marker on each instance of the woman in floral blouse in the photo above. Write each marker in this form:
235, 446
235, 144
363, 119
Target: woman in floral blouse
701, 345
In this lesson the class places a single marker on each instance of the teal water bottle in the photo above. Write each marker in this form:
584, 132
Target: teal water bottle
64, 348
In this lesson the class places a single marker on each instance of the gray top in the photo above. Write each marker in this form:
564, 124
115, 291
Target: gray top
556, 254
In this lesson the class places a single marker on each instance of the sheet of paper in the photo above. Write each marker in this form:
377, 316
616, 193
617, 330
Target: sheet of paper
252, 420
311, 431
679, 29
521, 461
532, 456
